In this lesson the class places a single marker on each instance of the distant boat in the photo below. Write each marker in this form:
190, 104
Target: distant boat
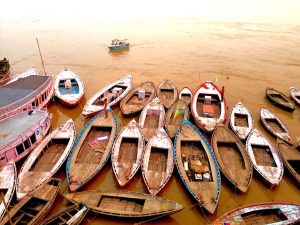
208, 106
158, 161
186, 94
68, 87
241, 121
125, 204
4, 69
279, 99
295, 95
91, 149
167, 93
111, 94
25, 91
137, 98
21, 133
46, 159
117, 44
127, 152
262, 214
264, 157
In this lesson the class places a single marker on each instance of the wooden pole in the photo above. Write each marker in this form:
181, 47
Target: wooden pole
6, 208
41, 55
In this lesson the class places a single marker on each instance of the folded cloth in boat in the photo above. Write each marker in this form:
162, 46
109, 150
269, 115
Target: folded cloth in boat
102, 138
198, 167
198, 176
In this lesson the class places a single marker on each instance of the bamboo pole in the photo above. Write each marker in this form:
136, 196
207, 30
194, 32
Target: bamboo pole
41, 55
6, 208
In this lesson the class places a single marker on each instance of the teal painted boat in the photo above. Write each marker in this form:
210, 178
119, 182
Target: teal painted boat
117, 44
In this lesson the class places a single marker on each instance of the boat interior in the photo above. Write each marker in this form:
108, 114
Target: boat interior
110, 95
275, 125
68, 87
279, 97
121, 203
167, 93
266, 216
186, 97
263, 155
128, 150
152, 118
137, 99
177, 117
208, 106
158, 160
241, 120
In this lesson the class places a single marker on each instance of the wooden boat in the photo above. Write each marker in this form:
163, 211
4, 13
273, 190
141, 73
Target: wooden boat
110, 95
262, 213
72, 215
167, 93
232, 157
279, 99
33, 208
197, 166
208, 107
127, 152
291, 159
68, 87
46, 159
186, 94
152, 118
8, 177
125, 204
178, 112
275, 126
295, 95
137, 98
158, 162
91, 149
264, 157
117, 44
241, 121
21, 133
25, 91
4, 69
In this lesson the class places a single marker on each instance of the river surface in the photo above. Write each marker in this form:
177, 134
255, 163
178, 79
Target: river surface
244, 54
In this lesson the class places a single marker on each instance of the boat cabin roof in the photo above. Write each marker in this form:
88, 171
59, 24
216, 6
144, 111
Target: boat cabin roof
21, 88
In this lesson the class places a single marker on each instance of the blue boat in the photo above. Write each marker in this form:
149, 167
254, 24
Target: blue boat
117, 44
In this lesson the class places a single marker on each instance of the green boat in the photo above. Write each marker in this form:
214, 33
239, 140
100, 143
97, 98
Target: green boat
117, 44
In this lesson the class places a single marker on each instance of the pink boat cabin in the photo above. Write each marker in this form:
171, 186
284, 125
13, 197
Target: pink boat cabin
21, 133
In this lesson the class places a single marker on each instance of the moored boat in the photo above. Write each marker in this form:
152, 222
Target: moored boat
262, 214
178, 112
25, 91
208, 106
137, 98
117, 44
68, 87
158, 161
21, 133
152, 118
197, 166
275, 126
232, 157
91, 149
110, 95
125, 204
241, 121
186, 94
264, 157
46, 159
295, 95
167, 93
127, 152
279, 99
4, 69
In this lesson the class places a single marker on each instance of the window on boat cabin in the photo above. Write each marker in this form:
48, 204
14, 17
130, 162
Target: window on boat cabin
20, 149
3, 159
33, 103
27, 143
32, 138
36, 102
44, 96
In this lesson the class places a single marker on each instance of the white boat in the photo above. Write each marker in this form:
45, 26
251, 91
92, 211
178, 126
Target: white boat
186, 94
111, 94
68, 87
241, 121
295, 95
264, 157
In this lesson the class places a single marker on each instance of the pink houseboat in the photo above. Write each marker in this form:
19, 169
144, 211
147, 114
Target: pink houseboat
28, 90
21, 133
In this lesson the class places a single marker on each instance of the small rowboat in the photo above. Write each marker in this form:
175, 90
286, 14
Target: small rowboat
136, 100
295, 95
208, 106
232, 157
291, 159
275, 126
91, 149
152, 118
8, 181
262, 213
158, 162
118, 45
72, 215
178, 112
68, 87
110, 95
46, 159
197, 166
127, 152
241, 121
279, 99
4, 69
264, 157
32, 209
125, 204
167, 93
186, 94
